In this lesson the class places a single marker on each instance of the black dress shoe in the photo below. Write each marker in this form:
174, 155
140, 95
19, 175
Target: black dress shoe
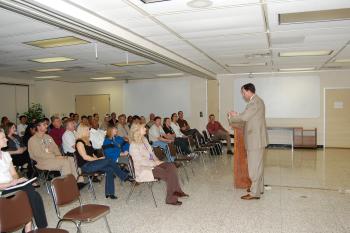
111, 197
229, 152
81, 185
130, 179
175, 203
95, 179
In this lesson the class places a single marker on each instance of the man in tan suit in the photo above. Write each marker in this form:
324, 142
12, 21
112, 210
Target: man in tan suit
255, 138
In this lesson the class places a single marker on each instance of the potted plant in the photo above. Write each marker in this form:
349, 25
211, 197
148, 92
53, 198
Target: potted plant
35, 112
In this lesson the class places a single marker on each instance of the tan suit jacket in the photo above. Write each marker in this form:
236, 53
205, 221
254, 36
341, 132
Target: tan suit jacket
143, 165
255, 134
42, 153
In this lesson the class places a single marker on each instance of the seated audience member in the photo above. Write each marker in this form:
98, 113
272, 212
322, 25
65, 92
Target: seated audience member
43, 149
172, 128
186, 129
9, 178
63, 119
49, 126
151, 120
17, 149
57, 131
143, 120
90, 163
71, 115
97, 136
4, 121
30, 131
158, 138
84, 120
122, 127
21, 127
105, 122
90, 118
96, 117
76, 119
68, 138
114, 145
129, 121
113, 121
136, 119
148, 167
219, 133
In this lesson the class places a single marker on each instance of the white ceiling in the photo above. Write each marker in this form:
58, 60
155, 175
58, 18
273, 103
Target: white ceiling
227, 32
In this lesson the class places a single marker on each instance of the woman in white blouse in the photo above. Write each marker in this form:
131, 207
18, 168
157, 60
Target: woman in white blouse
148, 167
9, 178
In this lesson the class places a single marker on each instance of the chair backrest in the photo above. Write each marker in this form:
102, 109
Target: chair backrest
205, 134
131, 167
15, 212
172, 149
191, 142
65, 190
159, 153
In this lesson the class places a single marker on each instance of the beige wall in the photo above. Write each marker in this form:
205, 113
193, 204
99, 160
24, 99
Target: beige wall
327, 80
59, 97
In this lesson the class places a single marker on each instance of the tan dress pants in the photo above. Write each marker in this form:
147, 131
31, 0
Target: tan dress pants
256, 170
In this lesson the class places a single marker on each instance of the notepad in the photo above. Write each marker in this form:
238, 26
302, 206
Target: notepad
21, 184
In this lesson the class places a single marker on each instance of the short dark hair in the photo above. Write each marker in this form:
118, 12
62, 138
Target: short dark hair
211, 115
249, 87
95, 114
40, 121
71, 114
157, 117
172, 115
22, 116
83, 117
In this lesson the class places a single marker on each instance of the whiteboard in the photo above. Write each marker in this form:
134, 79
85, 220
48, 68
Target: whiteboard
161, 97
284, 97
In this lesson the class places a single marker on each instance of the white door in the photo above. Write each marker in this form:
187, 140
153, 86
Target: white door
13, 100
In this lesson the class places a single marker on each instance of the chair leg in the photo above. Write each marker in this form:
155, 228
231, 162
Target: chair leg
186, 174
92, 188
78, 225
59, 224
107, 224
150, 187
131, 191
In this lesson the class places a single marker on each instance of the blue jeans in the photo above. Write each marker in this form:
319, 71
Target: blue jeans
165, 147
110, 168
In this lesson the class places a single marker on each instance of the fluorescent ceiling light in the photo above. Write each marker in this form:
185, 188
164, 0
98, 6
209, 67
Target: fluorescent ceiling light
103, 78
47, 77
199, 3
298, 69
133, 63
115, 72
53, 59
247, 64
50, 70
314, 16
57, 42
341, 60
170, 75
153, 1
306, 53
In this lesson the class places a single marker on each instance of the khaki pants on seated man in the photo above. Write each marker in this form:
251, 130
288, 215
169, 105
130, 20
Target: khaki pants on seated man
64, 164
223, 135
